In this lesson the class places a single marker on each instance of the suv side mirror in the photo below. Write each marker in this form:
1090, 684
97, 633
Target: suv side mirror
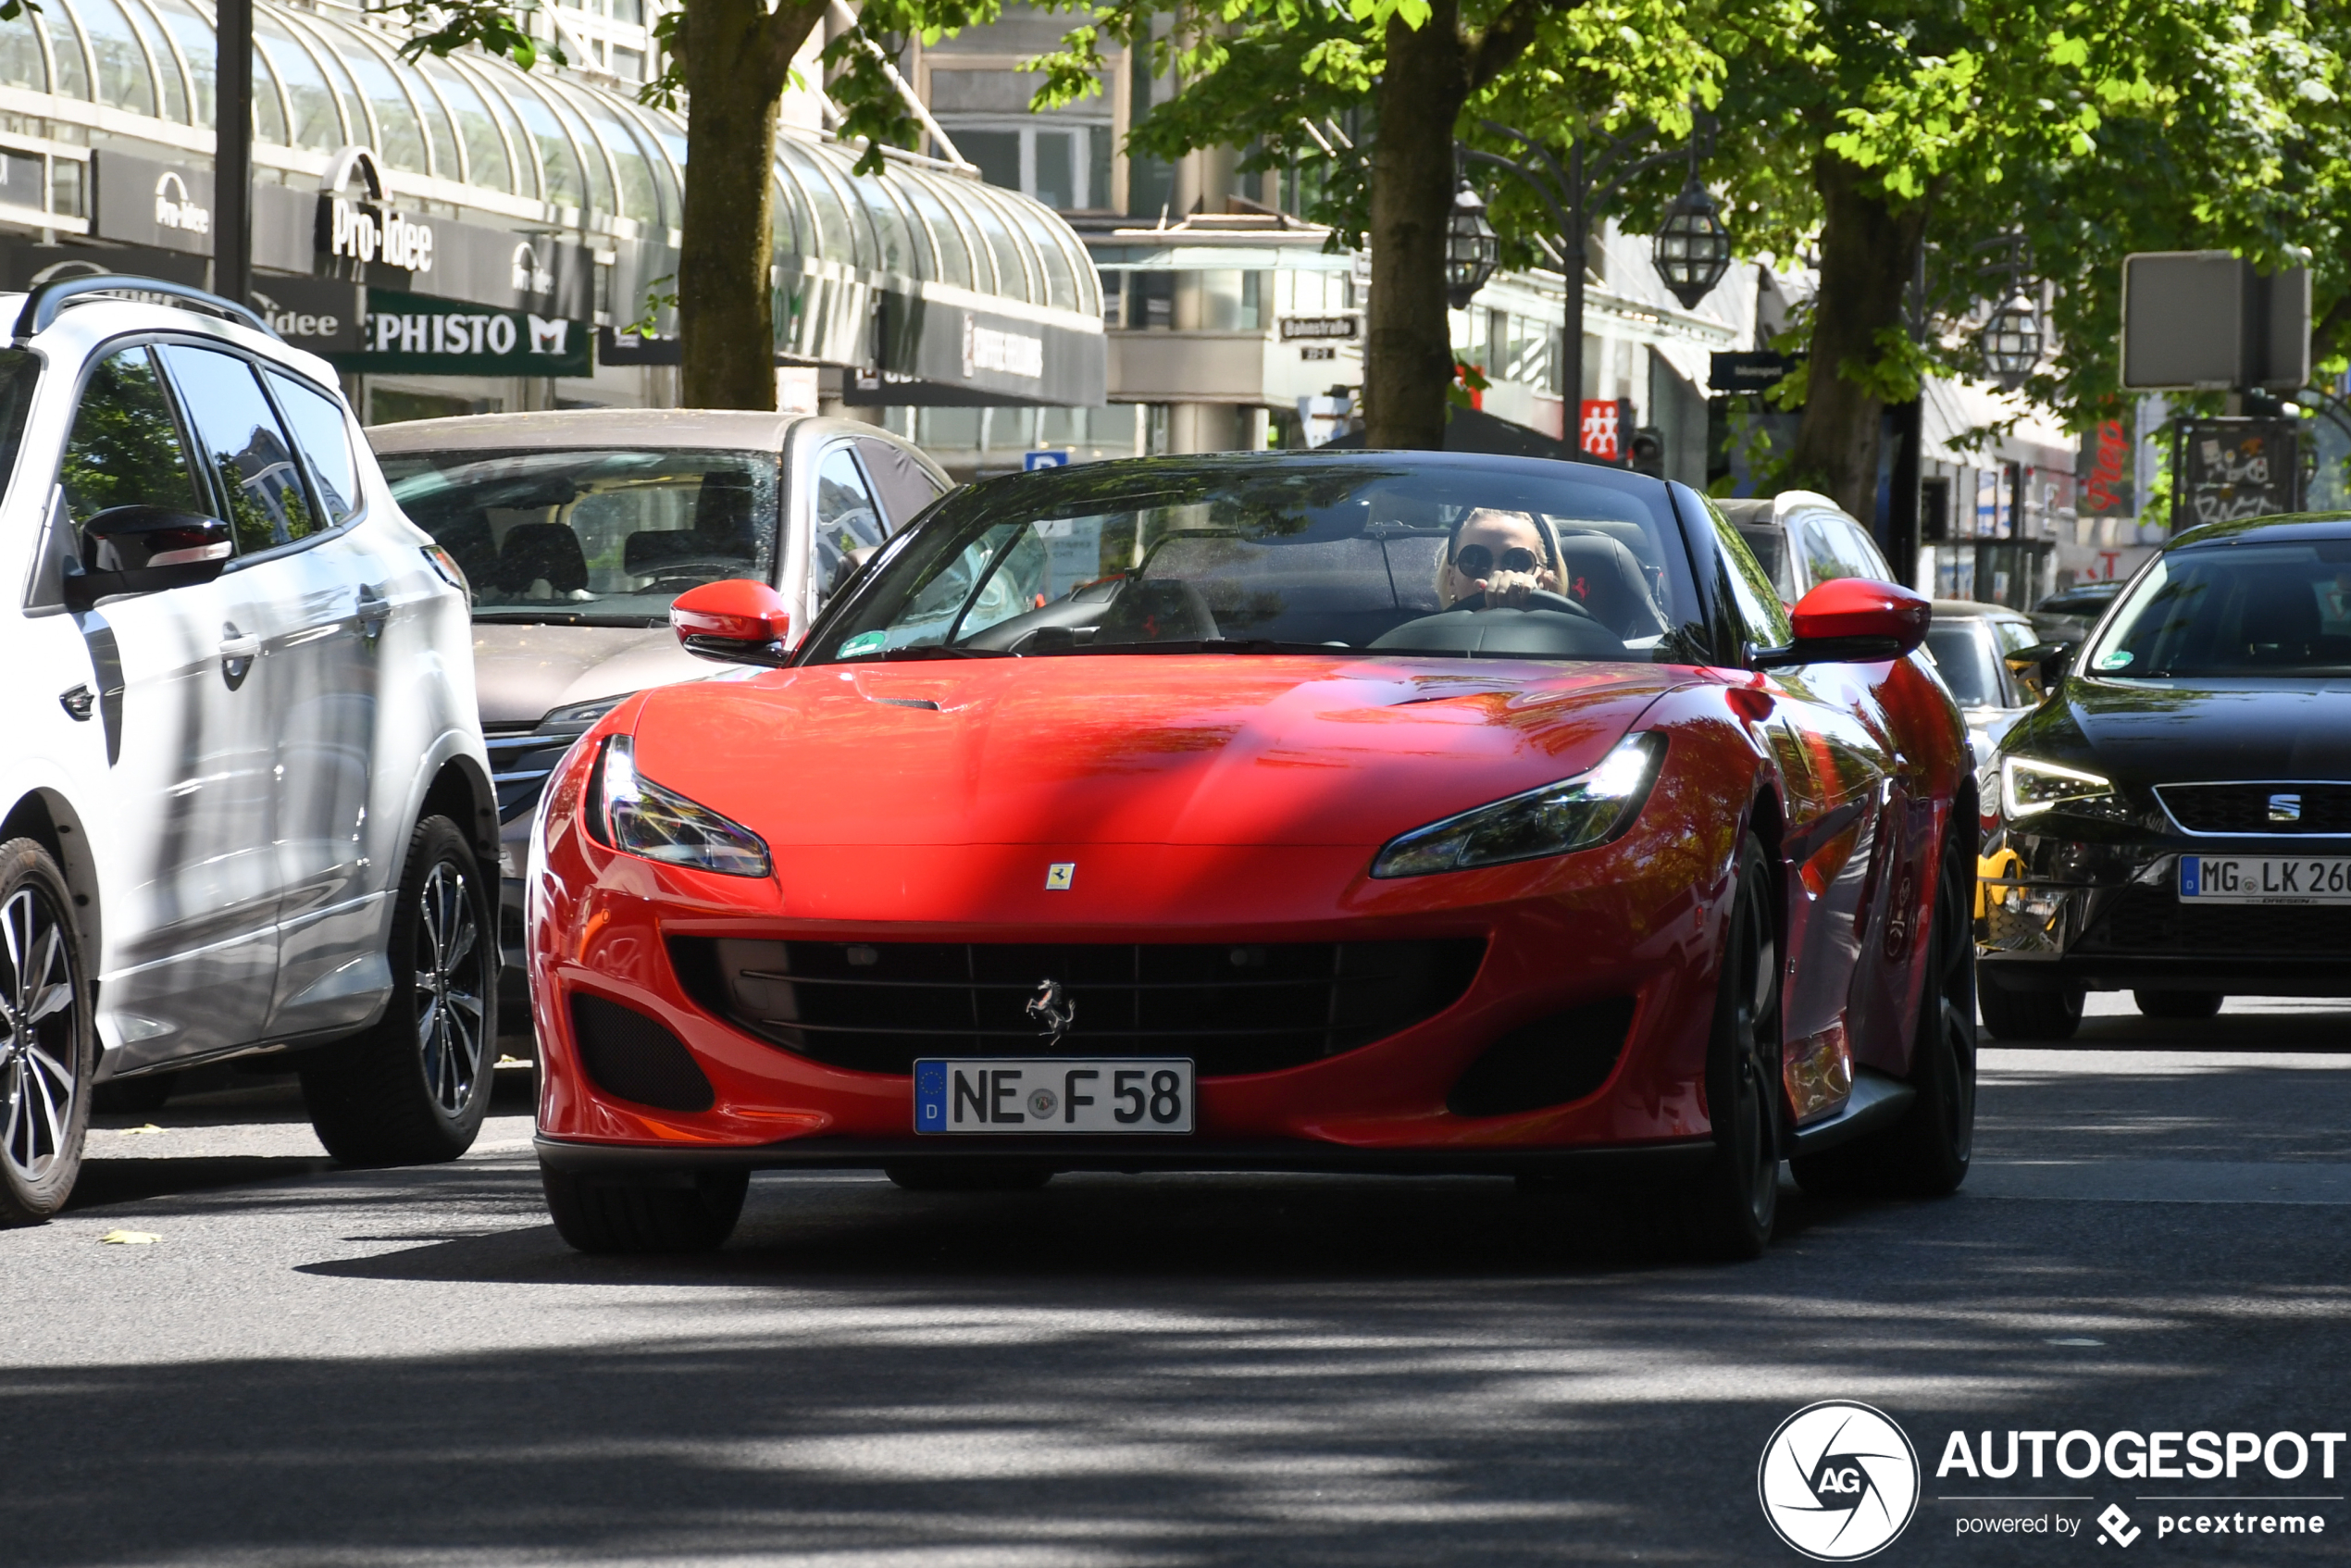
1851, 620
147, 550
2040, 667
738, 620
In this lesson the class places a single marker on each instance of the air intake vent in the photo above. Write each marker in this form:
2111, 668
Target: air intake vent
1550, 1061
2283, 809
633, 1058
1233, 1008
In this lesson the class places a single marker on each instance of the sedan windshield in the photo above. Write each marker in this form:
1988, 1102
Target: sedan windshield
1963, 654
600, 538
2236, 609
1271, 554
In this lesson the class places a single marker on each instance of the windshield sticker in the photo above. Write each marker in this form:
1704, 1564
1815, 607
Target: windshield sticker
2119, 659
864, 643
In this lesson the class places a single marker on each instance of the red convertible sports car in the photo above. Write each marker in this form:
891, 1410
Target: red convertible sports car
1365, 812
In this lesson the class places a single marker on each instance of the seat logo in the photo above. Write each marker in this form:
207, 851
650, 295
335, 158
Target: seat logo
2285, 808
1838, 1481
1053, 1008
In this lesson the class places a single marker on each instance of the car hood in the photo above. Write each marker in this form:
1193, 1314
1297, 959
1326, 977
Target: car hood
2142, 732
1159, 749
521, 671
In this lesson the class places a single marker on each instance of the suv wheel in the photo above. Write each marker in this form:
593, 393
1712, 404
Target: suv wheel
2028, 1015
413, 1088
48, 1050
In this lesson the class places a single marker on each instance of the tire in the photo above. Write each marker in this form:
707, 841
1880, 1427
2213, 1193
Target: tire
135, 1097
49, 1046
2178, 1005
1728, 1213
1926, 1153
968, 1176
644, 1214
2033, 1016
413, 1088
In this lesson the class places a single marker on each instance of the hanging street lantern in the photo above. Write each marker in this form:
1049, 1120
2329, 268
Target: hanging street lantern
2011, 342
1472, 248
1693, 249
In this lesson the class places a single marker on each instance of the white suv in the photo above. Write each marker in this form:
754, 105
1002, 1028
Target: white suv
243, 798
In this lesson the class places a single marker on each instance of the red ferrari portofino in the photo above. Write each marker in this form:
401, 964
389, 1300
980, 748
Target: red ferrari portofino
1375, 812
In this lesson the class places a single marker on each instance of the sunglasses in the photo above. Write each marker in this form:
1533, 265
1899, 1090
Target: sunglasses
1476, 560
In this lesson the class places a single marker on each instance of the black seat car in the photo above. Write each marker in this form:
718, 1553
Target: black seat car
2175, 819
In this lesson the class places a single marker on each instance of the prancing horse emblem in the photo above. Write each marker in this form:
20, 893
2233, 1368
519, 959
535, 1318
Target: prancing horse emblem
1053, 1008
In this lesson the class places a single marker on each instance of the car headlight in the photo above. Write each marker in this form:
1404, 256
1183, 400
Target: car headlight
630, 812
2027, 786
1575, 814
581, 713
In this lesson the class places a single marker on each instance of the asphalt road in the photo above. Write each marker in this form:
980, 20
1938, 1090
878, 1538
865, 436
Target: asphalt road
309, 1366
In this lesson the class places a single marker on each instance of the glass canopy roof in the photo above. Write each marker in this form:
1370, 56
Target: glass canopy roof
321, 82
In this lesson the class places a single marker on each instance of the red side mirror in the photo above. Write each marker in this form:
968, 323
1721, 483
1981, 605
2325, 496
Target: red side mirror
1854, 621
738, 620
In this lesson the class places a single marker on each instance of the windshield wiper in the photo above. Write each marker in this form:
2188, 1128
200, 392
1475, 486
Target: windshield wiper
1213, 645
935, 651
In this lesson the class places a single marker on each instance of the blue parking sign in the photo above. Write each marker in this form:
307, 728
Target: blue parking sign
1057, 458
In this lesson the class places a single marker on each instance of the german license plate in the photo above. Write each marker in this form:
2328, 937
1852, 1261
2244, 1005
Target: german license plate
2212, 878
1058, 1094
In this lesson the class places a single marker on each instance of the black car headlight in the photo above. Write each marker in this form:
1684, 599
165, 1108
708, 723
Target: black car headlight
2028, 787
630, 812
1575, 814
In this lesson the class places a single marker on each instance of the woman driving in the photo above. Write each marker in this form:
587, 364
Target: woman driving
1504, 556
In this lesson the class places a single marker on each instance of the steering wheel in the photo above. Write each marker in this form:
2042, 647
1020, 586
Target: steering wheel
1538, 600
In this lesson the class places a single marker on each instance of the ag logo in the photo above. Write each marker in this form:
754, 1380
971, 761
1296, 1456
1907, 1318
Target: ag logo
1838, 1481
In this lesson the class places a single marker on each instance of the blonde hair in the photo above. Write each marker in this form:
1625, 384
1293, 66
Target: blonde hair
1536, 520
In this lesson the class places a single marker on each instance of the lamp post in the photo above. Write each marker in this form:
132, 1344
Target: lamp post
232, 152
2012, 340
1472, 248
1573, 193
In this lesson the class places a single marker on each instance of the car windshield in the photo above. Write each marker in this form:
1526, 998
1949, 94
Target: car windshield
1269, 555
2244, 608
601, 538
1964, 656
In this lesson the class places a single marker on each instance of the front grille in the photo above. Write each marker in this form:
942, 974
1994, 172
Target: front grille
521, 757
632, 1057
2153, 921
2244, 808
1553, 1061
1233, 1008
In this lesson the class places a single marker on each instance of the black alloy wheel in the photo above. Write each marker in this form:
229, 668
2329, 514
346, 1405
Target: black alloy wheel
48, 1049
1730, 1210
656, 1213
2051, 1015
1926, 1153
413, 1088
2186, 1005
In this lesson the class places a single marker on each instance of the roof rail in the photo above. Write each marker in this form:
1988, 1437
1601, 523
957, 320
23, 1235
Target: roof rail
46, 300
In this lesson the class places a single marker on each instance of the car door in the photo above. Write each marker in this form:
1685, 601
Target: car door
1840, 810
191, 924
318, 608
845, 521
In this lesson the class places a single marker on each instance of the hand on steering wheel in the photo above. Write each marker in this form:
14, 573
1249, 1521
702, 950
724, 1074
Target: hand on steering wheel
1536, 599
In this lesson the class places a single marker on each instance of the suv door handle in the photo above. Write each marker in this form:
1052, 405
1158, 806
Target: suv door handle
374, 610
240, 647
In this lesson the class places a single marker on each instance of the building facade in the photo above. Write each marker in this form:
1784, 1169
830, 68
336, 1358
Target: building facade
461, 235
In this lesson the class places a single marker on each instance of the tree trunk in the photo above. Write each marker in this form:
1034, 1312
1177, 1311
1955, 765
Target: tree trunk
1868, 252
736, 58
1408, 354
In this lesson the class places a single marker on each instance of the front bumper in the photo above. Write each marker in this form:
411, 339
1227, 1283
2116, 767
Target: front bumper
2083, 910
